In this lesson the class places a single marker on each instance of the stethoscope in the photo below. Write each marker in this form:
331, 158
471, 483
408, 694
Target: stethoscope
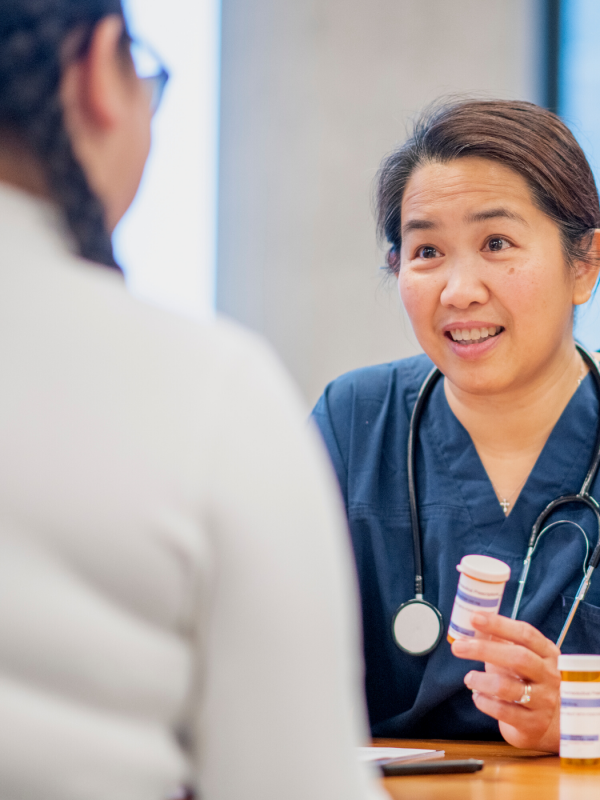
418, 625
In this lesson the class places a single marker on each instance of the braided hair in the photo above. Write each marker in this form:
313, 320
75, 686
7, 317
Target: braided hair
32, 33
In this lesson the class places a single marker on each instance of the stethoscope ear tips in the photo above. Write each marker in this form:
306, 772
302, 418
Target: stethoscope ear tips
417, 627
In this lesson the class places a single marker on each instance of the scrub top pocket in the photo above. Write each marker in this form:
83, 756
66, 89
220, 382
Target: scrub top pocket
584, 633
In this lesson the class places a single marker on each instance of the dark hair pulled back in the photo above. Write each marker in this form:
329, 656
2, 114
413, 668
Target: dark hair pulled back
32, 38
523, 137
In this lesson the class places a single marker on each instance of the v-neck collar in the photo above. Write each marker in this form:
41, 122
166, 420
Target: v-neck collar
560, 468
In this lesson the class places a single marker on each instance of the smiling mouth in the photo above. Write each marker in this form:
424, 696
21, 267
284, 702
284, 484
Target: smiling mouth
466, 336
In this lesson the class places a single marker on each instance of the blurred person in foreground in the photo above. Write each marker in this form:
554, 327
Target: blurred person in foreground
176, 599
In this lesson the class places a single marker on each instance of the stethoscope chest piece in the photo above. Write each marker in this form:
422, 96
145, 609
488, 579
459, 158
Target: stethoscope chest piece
417, 627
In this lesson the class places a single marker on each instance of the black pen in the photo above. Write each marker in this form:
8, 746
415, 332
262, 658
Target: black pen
431, 767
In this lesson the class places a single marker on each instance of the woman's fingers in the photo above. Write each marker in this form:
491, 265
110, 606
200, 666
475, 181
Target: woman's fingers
505, 687
533, 725
504, 655
519, 663
515, 631
519, 726
517, 648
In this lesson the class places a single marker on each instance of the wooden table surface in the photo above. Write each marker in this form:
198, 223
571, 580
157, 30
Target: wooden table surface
508, 774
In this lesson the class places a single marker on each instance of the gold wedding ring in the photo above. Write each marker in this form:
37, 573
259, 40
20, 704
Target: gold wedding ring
526, 696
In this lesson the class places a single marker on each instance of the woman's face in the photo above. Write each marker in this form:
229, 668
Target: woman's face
483, 276
107, 115
125, 160
137, 134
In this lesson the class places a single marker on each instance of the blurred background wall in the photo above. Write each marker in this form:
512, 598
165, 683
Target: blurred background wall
313, 94
302, 99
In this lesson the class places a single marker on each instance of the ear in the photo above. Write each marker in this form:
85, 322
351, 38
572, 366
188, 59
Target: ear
91, 86
586, 273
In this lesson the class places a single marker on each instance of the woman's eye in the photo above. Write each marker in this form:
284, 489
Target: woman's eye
497, 243
427, 251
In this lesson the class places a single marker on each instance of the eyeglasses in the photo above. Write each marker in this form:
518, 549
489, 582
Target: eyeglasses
150, 69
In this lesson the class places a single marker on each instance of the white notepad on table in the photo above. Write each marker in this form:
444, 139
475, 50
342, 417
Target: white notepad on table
385, 755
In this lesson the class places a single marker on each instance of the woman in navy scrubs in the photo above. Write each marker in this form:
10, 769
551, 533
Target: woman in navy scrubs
490, 211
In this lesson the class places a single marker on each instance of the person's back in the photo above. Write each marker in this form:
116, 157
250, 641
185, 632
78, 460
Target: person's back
176, 603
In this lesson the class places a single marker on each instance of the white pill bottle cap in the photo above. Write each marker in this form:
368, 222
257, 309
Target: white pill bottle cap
484, 568
583, 663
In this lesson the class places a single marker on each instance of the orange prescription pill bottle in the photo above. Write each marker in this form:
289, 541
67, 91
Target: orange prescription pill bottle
480, 589
579, 710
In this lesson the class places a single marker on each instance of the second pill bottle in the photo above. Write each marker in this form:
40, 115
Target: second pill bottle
579, 710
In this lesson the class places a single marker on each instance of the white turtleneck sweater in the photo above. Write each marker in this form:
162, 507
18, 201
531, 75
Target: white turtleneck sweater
176, 593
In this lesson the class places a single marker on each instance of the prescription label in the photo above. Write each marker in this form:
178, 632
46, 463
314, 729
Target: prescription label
473, 596
579, 719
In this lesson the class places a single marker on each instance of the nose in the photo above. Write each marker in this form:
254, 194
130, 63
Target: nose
464, 285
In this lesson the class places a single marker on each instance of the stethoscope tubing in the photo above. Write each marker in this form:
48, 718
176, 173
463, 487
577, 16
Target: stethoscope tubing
424, 393
587, 500
582, 496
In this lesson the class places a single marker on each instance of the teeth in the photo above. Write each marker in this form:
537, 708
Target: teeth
469, 335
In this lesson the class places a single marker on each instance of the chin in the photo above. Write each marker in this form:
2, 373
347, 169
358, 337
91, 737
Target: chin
474, 377
117, 210
477, 380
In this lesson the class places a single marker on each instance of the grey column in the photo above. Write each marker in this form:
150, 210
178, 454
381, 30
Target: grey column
313, 95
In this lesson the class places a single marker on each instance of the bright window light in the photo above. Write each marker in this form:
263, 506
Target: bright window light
166, 243
579, 106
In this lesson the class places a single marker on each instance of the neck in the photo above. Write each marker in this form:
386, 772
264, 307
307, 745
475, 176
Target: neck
509, 429
19, 167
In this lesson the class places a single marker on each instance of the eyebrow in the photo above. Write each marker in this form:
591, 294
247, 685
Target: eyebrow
478, 216
418, 225
496, 213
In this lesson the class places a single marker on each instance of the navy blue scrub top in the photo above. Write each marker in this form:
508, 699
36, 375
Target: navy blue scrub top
364, 418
